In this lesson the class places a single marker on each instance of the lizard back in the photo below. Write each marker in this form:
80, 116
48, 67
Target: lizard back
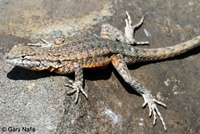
90, 52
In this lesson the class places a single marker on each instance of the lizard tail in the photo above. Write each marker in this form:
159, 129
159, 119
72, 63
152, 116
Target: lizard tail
166, 52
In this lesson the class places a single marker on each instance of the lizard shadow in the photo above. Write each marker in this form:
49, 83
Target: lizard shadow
19, 73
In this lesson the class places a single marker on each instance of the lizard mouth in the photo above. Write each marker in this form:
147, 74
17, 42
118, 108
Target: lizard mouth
21, 62
13, 61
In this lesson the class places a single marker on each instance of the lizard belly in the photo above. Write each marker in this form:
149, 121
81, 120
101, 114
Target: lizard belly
96, 62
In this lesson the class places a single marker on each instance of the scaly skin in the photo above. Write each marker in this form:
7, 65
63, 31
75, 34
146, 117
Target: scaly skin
92, 52
88, 51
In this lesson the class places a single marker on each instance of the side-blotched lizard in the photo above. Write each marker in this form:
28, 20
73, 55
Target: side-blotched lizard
89, 51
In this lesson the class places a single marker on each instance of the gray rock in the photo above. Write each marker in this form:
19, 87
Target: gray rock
37, 100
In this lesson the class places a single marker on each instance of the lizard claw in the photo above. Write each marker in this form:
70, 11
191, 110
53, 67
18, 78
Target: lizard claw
76, 88
148, 99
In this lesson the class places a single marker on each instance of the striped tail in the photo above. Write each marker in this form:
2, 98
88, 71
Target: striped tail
141, 54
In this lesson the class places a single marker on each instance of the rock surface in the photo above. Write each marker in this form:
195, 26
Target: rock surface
37, 100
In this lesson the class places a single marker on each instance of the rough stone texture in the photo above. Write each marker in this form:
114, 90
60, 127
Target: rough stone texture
39, 100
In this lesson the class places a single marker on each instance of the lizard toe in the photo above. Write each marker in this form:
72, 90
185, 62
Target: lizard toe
76, 88
151, 102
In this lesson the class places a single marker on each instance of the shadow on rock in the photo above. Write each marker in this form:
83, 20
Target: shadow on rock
18, 73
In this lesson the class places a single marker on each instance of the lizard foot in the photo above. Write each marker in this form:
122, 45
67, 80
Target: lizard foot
76, 88
148, 99
130, 29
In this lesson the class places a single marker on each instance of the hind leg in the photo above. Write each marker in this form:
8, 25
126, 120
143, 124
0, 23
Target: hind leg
112, 33
121, 67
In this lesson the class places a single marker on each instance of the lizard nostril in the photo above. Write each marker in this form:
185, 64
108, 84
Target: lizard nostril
5, 57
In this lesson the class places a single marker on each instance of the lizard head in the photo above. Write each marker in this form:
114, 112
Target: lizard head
20, 54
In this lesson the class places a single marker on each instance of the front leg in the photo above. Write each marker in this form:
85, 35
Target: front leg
77, 85
120, 65
45, 44
42, 43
